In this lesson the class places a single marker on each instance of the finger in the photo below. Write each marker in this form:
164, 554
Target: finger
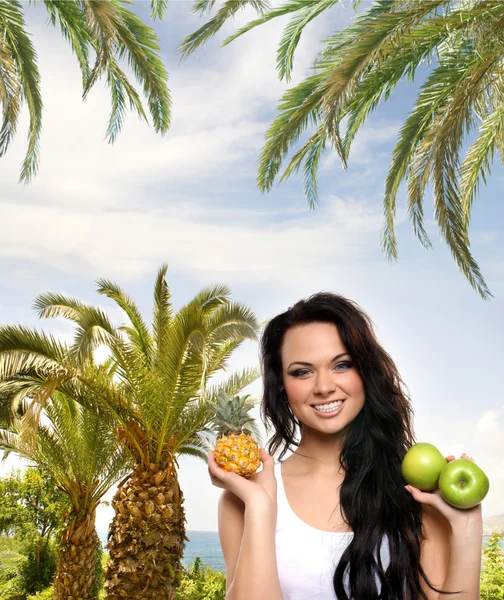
214, 468
422, 497
450, 458
220, 477
267, 460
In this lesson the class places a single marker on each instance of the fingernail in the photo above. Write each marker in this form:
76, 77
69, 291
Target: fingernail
407, 488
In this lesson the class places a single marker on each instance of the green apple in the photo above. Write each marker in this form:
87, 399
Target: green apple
422, 466
462, 483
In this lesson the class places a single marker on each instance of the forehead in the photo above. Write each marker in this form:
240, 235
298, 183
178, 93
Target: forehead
312, 342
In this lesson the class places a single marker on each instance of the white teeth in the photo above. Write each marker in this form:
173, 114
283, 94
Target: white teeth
328, 407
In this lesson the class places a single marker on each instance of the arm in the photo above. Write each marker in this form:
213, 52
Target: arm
452, 546
247, 519
465, 558
249, 550
451, 553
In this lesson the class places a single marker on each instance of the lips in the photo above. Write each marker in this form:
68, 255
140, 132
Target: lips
328, 414
328, 402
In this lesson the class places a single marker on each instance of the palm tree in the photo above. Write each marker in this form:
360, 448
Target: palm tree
356, 68
100, 33
160, 397
79, 450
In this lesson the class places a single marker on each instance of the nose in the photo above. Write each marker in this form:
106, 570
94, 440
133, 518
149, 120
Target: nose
324, 384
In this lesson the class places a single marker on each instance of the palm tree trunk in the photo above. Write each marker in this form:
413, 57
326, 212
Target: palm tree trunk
147, 536
76, 567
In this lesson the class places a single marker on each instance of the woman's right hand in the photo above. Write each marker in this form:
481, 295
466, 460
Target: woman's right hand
262, 487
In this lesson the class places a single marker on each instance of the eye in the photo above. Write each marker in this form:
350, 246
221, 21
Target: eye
343, 366
299, 372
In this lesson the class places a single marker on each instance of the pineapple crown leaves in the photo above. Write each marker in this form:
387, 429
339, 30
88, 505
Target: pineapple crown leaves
230, 415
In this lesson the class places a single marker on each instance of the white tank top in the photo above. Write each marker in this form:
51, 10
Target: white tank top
307, 557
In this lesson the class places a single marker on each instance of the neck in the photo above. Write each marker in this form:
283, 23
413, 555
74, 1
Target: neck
318, 451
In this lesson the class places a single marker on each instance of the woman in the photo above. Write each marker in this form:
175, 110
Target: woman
334, 520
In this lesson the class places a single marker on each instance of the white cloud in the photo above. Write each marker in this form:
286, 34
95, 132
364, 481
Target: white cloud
130, 243
218, 116
489, 430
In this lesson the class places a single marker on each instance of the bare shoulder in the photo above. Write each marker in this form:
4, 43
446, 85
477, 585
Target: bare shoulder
231, 511
435, 548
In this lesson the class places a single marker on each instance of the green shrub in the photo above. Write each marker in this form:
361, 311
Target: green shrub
11, 566
201, 583
36, 578
47, 594
492, 575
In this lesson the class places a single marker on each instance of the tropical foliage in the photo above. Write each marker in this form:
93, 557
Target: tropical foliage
80, 451
492, 575
159, 396
201, 582
101, 34
459, 107
31, 519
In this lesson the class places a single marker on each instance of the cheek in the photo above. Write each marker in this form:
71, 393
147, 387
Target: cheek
359, 384
355, 385
297, 388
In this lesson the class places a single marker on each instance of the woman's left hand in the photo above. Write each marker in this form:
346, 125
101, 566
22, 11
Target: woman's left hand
454, 516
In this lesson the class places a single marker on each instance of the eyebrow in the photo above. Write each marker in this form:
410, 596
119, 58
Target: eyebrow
307, 364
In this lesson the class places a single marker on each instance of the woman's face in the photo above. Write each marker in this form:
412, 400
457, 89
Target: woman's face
324, 389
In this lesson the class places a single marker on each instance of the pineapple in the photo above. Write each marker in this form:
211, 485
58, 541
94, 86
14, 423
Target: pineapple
235, 449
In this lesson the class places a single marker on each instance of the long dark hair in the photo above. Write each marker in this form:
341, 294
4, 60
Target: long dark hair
373, 499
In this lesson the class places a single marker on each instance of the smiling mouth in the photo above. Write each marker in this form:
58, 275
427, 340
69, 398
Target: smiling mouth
328, 407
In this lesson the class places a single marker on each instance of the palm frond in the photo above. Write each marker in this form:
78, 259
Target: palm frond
69, 17
158, 8
52, 305
9, 442
232, 320
139, 43
78, 448
24, 350
359, 67
220, 355
299, 108
233, 385
120, 90
289, 7
187, 324
23, 54
402, 60
139, 334
203, 6
447, 104
211, 298
188, 449
16, 396
306, 11
163, 311
209, 29
93, 325
156, 406
198, 444
478, 160
10, 96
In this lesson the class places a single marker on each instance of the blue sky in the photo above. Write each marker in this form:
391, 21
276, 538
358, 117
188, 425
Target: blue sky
189, 199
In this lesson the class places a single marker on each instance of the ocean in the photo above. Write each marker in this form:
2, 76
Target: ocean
205, 544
